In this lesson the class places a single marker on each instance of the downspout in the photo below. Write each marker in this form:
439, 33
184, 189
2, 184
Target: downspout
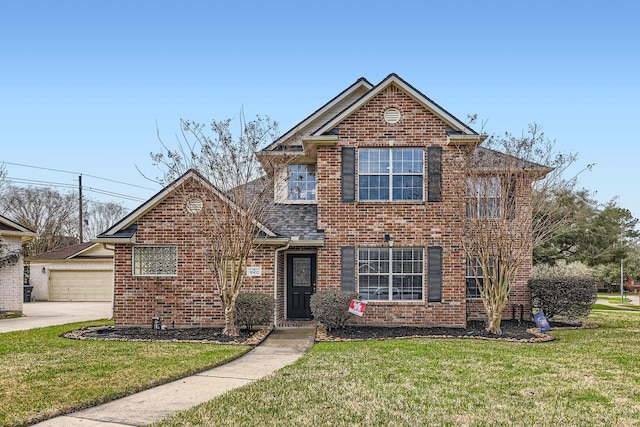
275, 282
112, 248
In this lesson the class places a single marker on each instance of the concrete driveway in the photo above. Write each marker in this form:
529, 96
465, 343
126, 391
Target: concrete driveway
40, 314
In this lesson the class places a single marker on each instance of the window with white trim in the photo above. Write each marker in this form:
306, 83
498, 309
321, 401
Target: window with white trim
390, 274
155, 260
483, 197
390, 173
473, 271
301, 182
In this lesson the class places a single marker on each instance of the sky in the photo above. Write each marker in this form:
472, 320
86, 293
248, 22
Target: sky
87, 87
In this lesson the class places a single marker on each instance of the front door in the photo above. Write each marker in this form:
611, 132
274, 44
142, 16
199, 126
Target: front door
301, 283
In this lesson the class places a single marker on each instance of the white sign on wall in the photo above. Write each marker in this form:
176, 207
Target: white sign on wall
254, 271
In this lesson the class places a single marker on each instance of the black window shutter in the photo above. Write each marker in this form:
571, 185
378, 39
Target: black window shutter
434, 273
348, 268
511, 198
348, 174
434, 176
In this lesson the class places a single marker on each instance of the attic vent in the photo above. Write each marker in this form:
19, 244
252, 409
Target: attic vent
392, 115
194, 205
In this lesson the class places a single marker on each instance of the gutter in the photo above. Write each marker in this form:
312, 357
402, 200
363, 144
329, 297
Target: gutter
275, 282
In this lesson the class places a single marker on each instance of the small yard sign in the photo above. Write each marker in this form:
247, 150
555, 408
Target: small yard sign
541, 320
357, 307
254, 271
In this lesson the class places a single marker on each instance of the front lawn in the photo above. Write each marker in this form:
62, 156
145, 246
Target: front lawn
586, 377
42, 375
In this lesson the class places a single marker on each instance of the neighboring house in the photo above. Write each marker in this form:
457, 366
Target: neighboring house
370, 204
12, 236
82, 272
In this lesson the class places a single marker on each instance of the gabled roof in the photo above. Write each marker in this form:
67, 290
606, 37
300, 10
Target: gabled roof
124, 230
12, 228
73, 251
359, 87
393, 79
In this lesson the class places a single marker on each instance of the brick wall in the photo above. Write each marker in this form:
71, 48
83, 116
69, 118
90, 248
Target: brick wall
189, 299
410, 224
11, 279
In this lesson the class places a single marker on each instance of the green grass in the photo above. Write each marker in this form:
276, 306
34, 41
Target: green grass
615, 299
608, 307
43, 375
586, 377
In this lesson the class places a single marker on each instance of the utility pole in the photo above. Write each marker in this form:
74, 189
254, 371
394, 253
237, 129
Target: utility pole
80, 206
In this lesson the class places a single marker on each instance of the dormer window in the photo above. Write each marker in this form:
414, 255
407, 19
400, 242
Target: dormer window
301, 182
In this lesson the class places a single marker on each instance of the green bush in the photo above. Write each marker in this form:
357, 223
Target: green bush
254, 309
569, 297
331, 307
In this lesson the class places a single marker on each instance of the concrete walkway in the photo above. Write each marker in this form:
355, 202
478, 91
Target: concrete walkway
634, 301
41, 314
280, 348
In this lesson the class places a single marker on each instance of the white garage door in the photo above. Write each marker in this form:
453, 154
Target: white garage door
80, 285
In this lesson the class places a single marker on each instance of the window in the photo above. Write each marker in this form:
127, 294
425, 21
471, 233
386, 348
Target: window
390, 274
483, 197
390, 173
473, 291
155, 260
301, 182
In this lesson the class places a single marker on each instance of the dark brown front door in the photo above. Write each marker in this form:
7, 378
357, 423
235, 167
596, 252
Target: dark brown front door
301, 283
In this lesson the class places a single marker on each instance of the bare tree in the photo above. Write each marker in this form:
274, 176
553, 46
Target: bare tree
237, 204
3, 175
509, 184
52, 214
99, 216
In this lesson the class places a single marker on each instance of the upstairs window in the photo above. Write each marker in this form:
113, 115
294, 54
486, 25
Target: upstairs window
390, 173
155, 260
483, 197
301, 182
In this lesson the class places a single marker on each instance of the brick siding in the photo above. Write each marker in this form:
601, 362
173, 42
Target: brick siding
410, 224
190, 298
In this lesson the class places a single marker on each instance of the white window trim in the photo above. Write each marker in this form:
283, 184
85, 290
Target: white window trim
391, 174
481, 190
391, 274
281, 187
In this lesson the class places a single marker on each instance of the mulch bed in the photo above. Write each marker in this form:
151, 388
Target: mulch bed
200, 335
512, 330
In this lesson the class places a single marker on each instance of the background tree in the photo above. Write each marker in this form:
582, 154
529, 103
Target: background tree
54, 216
501, 227
609, 273
577, 207
99, 216
242, 194
3, 176
607, 236
51, 214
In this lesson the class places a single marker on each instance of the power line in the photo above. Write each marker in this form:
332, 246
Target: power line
73, 186
77, 173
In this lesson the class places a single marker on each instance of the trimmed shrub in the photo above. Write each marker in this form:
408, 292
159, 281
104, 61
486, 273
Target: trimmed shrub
331, 307
569, 297
254, 309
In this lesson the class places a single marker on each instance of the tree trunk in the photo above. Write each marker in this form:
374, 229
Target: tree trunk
230, 328
495, 319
